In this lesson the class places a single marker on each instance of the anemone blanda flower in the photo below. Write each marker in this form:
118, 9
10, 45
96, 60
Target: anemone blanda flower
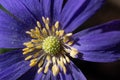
41, 31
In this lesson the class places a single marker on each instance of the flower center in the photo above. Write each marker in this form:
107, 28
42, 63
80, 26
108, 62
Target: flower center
51, 45
45, 44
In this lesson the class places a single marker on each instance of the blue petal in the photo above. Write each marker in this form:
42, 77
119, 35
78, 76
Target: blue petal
12, 34
77, 12
18, 9
57, 7
46, 5
12, 65
34, 7
10, 58
15, 71
74, 73
100, 43
51, 9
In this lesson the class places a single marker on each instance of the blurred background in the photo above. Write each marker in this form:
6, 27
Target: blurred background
99, 71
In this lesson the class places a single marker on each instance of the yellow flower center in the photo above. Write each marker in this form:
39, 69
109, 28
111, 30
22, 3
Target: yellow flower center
49, 47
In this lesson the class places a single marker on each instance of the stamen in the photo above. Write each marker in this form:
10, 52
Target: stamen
33, 62
61, 33
57, 25
28, 57
55, 69
70, 43
40, 69
47, 67
49, 47
40, 63
69, 34
38, 24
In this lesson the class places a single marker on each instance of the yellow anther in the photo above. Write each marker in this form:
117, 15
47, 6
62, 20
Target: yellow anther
63, 66
39, 46
47, 23
67, 59
73, 52
55, 69
70, 43
48, 58
63, 59
40, 70
31, 34
47, 67
54, 60
69, 34
37, 31
27, 51
44, 31
33, 62
38, 24
43, 18
36, 54
28, 57
57, 25
57, 33
67, 50
28, 32
65, 39
64, 69
32, 30
35, 41
53, 29
27, 43
47, 20
40, 63
61, 32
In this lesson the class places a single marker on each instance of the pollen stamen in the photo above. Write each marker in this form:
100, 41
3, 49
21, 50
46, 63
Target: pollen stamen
49, 47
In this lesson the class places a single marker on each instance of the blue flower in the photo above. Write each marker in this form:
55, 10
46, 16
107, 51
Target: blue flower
41, 33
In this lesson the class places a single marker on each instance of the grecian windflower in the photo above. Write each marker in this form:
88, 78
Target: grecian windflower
41, 33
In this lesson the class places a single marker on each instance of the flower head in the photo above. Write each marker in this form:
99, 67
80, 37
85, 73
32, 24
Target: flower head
49, 47
42, 32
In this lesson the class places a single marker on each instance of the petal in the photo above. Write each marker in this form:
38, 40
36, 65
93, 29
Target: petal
51, 9
10, 58
19, 9
12, 65
100, 43
12, 30
34, 7
57, 7
74, 72
46, 6
15, 71
75, 13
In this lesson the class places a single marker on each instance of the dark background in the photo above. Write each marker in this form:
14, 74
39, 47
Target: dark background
100, 71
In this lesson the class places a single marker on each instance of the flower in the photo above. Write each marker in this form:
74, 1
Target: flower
40, 31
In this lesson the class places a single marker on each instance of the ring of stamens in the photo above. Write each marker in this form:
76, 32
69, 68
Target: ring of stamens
49, 48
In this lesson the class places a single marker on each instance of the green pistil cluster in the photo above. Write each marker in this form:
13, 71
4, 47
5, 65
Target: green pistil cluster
51, 45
